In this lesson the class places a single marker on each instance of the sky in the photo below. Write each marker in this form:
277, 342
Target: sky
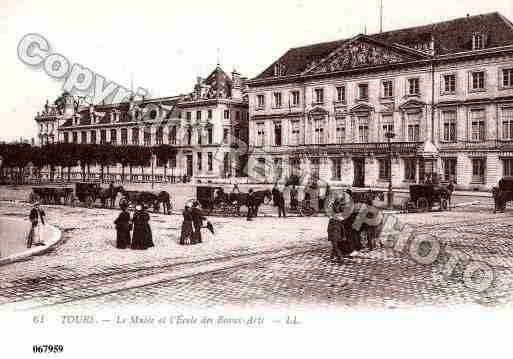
165, 45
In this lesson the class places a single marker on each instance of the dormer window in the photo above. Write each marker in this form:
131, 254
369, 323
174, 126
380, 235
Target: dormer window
478, 41
279, 69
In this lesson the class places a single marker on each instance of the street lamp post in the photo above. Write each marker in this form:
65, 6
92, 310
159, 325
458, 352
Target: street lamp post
390, 135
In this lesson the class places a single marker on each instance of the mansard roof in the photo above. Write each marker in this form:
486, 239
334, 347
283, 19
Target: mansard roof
449, 37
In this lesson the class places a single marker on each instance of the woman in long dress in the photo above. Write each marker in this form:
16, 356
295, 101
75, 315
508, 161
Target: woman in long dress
123, 228
35, 236
187, 231
142, 237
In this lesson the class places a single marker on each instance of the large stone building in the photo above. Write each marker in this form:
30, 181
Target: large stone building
445, 90
201, 126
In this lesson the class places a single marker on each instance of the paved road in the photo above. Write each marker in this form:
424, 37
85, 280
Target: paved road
282, 263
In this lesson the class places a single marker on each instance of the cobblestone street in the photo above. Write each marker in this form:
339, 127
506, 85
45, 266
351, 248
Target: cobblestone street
269, 262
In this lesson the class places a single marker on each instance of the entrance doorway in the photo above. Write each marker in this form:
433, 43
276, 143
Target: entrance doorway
359, 172
189, 165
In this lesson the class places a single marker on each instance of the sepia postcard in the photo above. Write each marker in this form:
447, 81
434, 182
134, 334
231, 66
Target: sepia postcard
293, 178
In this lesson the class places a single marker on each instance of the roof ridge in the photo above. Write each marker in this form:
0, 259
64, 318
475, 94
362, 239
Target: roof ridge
433, 24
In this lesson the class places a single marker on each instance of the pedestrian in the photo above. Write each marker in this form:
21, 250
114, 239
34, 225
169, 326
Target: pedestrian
34, 237
293, 197
187, 231
249, 203
280, 203
142, 236
235, 188
275, 193
450, 188
197, 221
123, 227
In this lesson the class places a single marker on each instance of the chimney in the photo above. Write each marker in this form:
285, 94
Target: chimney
236, 85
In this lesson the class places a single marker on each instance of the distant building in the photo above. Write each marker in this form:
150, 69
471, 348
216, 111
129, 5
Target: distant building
201, 126
445, 90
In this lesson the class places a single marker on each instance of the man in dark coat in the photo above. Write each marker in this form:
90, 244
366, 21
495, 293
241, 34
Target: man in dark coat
250, 204
275, 193
197, 221
123, 227
280, 203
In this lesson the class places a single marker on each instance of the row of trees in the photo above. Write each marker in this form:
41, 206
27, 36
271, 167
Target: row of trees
18, 156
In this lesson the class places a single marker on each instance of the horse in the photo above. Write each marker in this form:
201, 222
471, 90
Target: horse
501, 198
164, 198
367, 197
242, 199
108, 196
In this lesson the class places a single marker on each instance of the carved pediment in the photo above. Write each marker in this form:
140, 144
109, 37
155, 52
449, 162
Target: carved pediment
317, 112
361, 51
412, 105
363, 107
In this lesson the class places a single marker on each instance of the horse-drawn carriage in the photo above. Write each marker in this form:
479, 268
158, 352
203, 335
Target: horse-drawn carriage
148, 199
502, 194
51, 195
215, 200
87, 193
423, 197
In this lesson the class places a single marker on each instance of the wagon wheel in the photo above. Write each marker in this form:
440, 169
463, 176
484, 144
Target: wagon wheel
364, 237
444, 204
267, 200
410, 206
422, 204
306, 211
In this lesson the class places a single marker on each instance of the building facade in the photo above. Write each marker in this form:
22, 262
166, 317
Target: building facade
444, 90
201, 127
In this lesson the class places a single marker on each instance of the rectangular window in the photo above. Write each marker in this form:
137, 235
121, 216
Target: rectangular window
147, 136
410, 169
210, 136
363, 92
388, 88
363, 132
341, 93
113, 136
277, 134
198, 115
450, 83
66, 137
316, 166
83, 137
74, 137
449, 123
337, 168
226, 114
200, 158
319, 132
507, 165
295, 132
260, 101
237, 116
295, 98
340, 130
387, 126
295, 166
172, 135
209, 114
210, 161
507, 123
103, 137
478, 80
507, 78
478, 124
124, 136
226, 133
414, 133
319, 95
135, 136
413, 86
384, 168
478, 170
159, 136
199, 133
260, 134
277, 99
189, 136
188, 115
449, 169
93, 137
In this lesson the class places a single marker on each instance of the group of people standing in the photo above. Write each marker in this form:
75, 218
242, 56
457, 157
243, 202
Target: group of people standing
192, 223
141, 237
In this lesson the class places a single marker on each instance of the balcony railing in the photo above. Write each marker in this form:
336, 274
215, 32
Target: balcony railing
368, 147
